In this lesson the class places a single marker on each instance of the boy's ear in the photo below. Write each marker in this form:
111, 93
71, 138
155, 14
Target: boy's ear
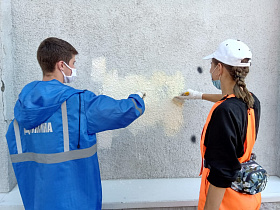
59, 65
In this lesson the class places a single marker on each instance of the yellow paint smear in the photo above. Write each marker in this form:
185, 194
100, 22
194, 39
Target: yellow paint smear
160, 89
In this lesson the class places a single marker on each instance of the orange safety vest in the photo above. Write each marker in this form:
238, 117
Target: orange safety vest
232, 200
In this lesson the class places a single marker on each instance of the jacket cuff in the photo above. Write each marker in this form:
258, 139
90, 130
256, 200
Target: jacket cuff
140, 94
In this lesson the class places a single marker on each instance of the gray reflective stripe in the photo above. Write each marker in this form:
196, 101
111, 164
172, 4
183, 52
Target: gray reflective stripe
17, 134
140, 110
55, 157
65, 126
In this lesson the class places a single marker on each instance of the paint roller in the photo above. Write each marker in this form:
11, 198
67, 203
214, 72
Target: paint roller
179, 100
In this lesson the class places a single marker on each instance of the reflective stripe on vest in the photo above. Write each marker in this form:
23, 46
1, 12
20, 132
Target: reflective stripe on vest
17, 134
65, 126
54, 157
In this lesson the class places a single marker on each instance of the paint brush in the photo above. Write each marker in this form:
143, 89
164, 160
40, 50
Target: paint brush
179, 100
185, 93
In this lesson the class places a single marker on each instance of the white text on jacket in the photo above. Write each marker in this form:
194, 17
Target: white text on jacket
43, 128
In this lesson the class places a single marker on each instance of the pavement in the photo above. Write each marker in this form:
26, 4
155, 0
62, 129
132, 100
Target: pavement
147, 193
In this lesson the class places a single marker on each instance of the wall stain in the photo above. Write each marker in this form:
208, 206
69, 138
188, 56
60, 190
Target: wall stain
193, 139
160, 88
199, 69
3, 86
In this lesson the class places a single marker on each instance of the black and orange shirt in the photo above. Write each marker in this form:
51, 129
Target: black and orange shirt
224, 140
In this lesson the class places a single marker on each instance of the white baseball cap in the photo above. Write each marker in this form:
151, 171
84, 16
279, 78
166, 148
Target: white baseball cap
232, 52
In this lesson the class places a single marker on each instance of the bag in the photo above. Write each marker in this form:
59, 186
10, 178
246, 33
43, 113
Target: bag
251, 179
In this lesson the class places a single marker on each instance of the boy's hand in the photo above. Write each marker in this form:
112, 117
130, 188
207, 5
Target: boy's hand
141, 94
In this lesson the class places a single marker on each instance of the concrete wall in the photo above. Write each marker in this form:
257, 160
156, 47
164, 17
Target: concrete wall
278, 122
7, 94
157, 47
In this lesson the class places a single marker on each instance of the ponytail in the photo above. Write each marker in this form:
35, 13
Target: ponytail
240, 90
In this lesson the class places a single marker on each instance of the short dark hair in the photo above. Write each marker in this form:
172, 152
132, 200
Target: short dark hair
53, 50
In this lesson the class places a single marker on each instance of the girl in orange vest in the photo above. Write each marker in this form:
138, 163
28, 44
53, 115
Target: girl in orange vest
230, 130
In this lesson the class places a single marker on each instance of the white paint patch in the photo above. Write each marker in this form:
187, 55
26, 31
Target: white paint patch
160, 89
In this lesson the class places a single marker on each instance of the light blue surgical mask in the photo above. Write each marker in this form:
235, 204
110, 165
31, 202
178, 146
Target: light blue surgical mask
216, 83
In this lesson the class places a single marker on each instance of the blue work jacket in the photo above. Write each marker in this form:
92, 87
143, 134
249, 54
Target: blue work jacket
52, 143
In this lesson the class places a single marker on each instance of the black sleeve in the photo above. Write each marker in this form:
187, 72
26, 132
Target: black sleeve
257, 109
223, 137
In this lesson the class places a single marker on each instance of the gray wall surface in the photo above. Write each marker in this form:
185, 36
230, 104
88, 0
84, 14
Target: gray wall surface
153, 46
7, 95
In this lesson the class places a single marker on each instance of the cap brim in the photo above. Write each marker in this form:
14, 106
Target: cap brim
208, 57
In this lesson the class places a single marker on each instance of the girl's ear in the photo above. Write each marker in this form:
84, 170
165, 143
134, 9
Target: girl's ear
221, 69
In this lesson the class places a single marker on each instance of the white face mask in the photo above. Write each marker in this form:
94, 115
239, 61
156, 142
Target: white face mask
69, 79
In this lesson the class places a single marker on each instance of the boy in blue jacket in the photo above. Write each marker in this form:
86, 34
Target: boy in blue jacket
52, 140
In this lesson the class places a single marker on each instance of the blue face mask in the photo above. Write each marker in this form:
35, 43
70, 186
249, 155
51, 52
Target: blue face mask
216, 83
